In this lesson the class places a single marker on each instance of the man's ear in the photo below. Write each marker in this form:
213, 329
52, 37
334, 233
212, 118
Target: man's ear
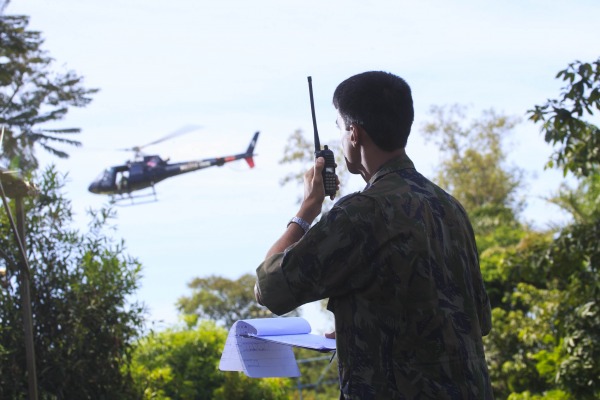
356, 133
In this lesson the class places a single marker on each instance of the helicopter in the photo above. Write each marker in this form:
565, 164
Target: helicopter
147, 170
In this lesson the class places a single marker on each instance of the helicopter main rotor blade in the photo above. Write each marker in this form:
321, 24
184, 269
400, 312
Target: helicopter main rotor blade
178, 132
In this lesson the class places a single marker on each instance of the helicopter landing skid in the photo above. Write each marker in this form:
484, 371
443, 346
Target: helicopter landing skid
121, 200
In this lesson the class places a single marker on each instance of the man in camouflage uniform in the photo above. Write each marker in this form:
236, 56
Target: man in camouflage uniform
397, 261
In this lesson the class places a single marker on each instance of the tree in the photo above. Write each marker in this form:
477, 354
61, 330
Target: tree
581, 202
224, 300
183, 364
32, 95
81, 284
544, 343
563, 122
524, 337
545, 320
319, 378
473, 166
576, 248
526, 315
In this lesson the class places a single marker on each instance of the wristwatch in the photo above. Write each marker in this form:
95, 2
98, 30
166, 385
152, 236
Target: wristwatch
302, 223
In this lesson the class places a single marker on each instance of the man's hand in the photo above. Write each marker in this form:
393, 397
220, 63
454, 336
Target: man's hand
314, 192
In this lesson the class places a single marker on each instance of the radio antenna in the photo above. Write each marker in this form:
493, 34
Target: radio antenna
330, 180
314, 119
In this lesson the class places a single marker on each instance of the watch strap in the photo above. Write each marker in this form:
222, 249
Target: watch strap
302, 223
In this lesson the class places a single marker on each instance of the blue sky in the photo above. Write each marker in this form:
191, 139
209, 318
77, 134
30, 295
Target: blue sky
235, 67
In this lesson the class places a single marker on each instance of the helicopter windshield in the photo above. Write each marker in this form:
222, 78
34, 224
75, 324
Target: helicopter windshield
107, 176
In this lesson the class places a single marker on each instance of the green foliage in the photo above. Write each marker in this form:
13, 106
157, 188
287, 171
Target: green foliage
473, 159
577, 249
544, 294
563, 122
84, 324
549, 395
545, 289
504, 264
581, 202
319, 375
546, 325
31, 94
526, 316
496, 225
580, 369
224, 300
543, 286
183, 364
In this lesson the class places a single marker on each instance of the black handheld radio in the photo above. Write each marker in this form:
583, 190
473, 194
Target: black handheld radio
329, 177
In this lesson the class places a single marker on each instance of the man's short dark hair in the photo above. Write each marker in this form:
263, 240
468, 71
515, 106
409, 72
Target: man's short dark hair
381, 103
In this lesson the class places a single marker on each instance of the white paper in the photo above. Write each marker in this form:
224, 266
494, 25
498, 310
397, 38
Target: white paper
274, 326
262, 347
230, 358
264, 359
307, 341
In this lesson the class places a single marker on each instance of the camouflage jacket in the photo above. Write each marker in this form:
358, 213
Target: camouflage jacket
399, 265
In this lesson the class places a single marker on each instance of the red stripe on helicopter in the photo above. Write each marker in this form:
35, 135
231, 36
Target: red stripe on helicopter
230, 158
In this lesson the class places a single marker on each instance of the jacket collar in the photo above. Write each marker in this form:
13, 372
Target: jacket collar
395, 164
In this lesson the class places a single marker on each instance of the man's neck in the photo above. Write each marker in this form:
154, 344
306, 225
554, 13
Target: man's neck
376, 158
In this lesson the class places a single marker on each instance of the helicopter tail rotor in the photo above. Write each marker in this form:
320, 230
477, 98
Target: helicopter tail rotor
250, 161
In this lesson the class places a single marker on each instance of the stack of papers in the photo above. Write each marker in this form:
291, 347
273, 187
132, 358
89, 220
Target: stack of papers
262, 347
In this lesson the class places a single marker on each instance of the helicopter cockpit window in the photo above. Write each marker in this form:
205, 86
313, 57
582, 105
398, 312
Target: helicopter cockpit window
107, 176
122, 180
